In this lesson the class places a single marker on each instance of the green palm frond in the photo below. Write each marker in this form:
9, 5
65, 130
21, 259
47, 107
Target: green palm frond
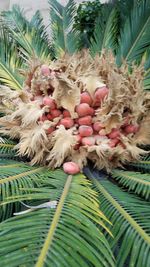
13, 177
32, 40
65, 39
130, 219
135, 35
143, 165
66, 236
105, 36
10, 62
7, 147
137, 182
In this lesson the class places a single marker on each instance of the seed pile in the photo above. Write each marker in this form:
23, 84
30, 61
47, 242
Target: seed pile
77, 108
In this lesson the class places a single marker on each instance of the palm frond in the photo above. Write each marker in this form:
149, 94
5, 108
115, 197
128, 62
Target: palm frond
32, 40
130, 219
66, 236
137, 182
7, 147
135, 35
143, 165
10, 62
105, 34
65, 39
13, 177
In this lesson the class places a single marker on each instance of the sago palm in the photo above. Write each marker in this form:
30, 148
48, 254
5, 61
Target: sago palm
100, 217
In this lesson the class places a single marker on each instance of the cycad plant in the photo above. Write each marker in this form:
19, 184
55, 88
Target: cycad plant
100, 217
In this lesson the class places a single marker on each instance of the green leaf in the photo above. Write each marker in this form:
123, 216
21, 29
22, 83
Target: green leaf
105, 36
137, 182
65, 39
13, 178
66, 236
7, 147
143, 165
31, 37
130, 219
135, 35
10, 62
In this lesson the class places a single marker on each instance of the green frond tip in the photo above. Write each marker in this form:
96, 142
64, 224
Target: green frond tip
65, 236
143, 165
7, 147
105, 34
135, 35
130, 224
30, 36
10, 61
137, 182
65, 38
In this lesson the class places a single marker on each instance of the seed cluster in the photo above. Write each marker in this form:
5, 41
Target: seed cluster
88, 131
76, 109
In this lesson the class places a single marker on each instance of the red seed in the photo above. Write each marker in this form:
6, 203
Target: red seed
89, 141
91, 111
78, 137
43, 118
85, 130
45, 70
49, 117
50, 130
71, 167
114, 133
86, 98
83, 110
96, 104
55, 113
66, 113
101, 93
67, 122
113, 142
48, 101
87, 120
97, 126
131, 128
102, 132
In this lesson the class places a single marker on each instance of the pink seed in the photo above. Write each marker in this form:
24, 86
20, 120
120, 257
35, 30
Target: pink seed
48, 101
114, 133
67, 122
87, 120
66, 113
97, 126
43, 118
55, 113
83, 110
131, 129
71, 167
50, 130
113, 142
89, 141
45, 70
86, 98
49, 117
101, 93
85, 130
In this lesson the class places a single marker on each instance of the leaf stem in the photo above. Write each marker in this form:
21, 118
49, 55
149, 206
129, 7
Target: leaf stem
49, 238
